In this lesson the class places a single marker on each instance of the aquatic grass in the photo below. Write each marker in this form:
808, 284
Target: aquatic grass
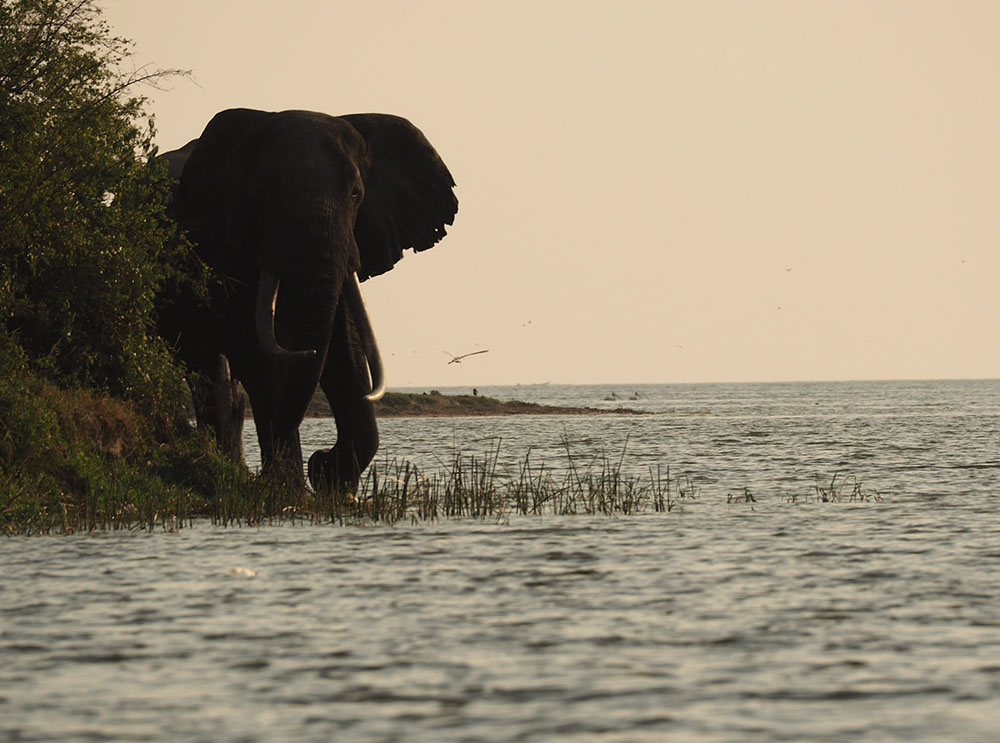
840, 489
470, 485
745, 497
244, 498
848, 490
467, 486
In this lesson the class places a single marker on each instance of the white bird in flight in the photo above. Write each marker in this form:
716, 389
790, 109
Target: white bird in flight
458, 359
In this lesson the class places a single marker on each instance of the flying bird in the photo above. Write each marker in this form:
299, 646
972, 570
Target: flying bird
458, 359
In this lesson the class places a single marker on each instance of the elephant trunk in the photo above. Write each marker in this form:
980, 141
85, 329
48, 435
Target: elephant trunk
356, 302
267, 298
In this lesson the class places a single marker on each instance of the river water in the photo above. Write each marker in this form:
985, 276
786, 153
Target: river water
783, 618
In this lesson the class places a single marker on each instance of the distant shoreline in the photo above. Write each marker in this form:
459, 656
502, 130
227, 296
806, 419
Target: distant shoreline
436, 405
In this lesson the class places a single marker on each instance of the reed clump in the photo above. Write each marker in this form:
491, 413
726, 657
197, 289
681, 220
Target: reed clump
841, 488
464, 486
480, 487
845, 489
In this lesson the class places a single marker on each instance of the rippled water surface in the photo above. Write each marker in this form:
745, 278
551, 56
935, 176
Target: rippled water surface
772, 620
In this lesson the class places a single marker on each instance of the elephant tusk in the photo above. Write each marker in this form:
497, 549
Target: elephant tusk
364, 325
267, 299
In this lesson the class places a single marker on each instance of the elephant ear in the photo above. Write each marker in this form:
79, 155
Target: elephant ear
408, 192
213, 176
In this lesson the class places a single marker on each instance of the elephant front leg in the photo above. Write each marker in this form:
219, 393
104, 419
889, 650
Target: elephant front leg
339, 469
345, 383
281, 452
277, 434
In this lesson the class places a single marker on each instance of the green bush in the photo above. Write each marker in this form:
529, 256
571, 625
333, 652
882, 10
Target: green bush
84, 238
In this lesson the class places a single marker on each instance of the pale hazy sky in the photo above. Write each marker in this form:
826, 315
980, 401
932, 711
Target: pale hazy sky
650, 191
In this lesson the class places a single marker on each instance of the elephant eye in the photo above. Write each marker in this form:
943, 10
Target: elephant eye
355, 194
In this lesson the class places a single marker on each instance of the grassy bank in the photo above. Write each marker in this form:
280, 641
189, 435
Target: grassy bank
74, 459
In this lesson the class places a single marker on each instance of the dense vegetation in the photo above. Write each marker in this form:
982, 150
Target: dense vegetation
89, 396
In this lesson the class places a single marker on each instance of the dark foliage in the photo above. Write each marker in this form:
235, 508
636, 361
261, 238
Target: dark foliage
84, 237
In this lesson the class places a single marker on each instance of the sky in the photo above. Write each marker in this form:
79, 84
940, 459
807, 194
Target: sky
649, 191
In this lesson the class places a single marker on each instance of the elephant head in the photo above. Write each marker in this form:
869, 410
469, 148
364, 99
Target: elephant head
291, 210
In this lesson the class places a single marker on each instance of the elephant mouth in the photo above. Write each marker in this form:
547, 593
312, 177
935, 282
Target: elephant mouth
267, 299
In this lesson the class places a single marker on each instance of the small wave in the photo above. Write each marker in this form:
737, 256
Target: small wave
559, 555
833, 695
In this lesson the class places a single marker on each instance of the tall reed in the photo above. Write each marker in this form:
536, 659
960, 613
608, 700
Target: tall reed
479, 487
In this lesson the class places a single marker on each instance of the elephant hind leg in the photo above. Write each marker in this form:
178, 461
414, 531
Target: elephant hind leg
230, 413
218, 403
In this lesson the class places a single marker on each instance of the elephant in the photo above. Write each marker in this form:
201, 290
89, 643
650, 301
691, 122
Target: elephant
290, 211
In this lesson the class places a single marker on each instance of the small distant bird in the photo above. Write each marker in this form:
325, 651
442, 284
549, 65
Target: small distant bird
458, 359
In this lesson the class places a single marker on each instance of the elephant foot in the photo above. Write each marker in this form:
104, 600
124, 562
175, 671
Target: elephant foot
325, 473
